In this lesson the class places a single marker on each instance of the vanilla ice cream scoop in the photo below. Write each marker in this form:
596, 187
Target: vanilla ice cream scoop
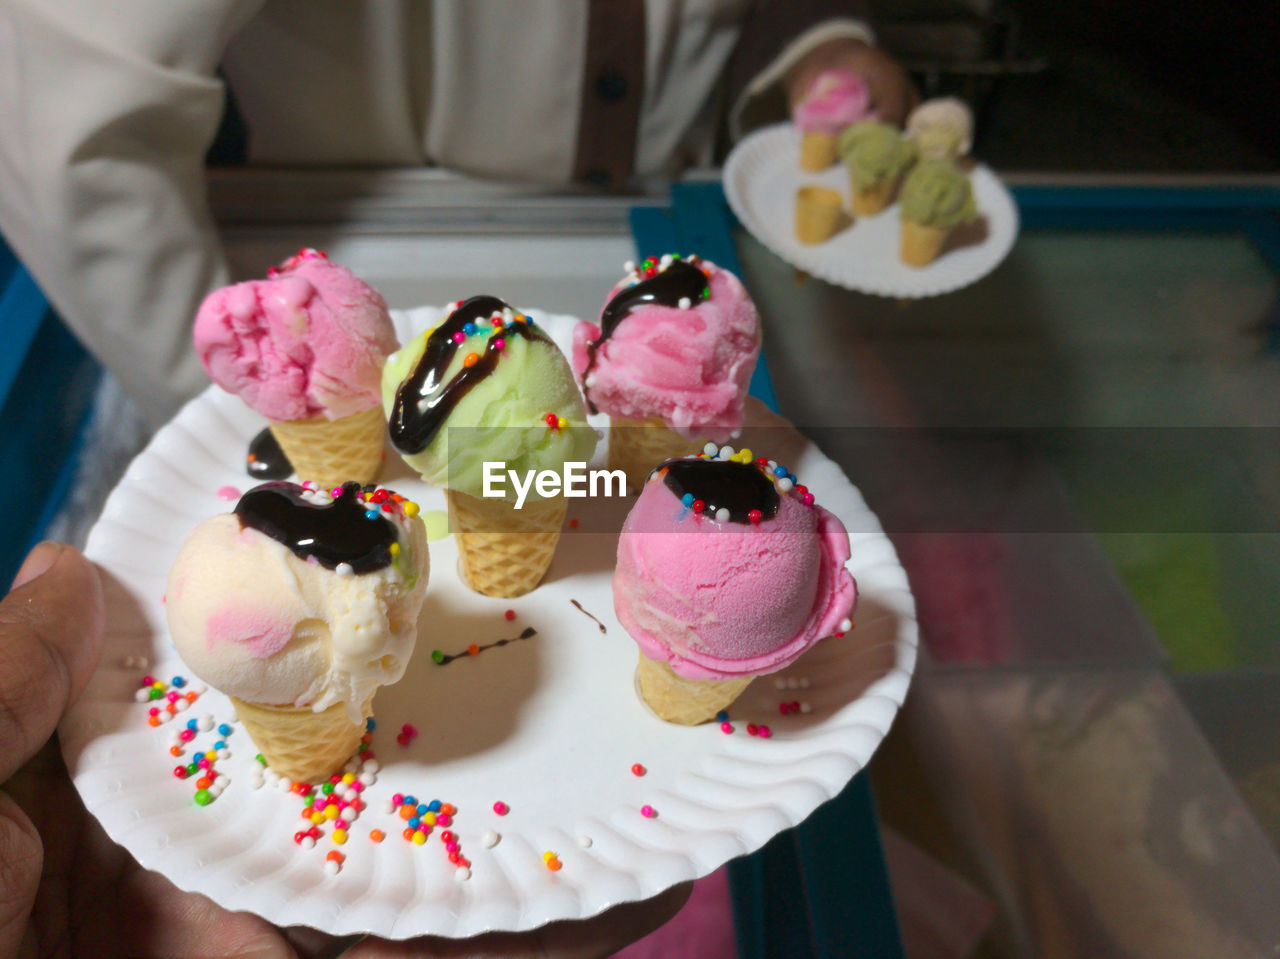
301, 596
942, 128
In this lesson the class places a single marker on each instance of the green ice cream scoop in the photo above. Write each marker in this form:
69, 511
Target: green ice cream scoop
874, 152
485, 386
937, 194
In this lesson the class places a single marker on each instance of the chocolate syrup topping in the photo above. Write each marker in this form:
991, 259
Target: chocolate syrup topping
681, 280
332, 533
266, 460
723, 484
423, 401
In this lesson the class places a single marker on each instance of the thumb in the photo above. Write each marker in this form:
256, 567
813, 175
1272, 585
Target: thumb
51, 627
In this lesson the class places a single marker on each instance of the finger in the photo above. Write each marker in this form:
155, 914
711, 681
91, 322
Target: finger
159, 919
592, 938
21, 857
50, 638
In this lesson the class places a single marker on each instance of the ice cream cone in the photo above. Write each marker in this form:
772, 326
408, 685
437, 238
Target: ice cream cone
685, 701
332, 452
819, 214
817, 149
504, 551
637, 446
300, 743
920, 244
871, 201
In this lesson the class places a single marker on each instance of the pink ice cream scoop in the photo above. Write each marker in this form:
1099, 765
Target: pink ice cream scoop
677, 339
309, 341
836, 99
727, 568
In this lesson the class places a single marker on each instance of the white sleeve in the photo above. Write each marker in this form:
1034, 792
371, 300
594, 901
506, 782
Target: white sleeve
793, 53
106, 111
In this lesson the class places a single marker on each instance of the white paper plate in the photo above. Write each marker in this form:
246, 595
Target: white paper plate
550, 726
761, 176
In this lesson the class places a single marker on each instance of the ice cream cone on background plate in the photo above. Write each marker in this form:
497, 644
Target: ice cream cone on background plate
819, 214
687, 702
872, 200
877, 156
637, 446
331, 452
920, 244
937, 197
942, 128
504, 551
833, 100
300, 743
817, 149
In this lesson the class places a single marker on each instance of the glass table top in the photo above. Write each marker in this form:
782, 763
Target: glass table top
1136, 363
1077, 458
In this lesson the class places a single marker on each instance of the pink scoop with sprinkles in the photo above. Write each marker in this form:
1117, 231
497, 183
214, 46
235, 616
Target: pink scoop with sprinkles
728, 568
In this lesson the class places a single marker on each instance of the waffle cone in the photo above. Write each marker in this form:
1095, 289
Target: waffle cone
920, 245
332, 452
819, 214
871, 201
503, 551
817, 150
685, 701
300, 743
637, 446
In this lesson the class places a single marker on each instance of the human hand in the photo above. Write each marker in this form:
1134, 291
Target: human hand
66, 889
893, 95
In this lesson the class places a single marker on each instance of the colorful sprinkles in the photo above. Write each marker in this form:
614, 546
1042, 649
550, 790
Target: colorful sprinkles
304, 254
782, 479
407, 734
484, 327
177, 698
753, 729
333, 804
651, 266
422, 818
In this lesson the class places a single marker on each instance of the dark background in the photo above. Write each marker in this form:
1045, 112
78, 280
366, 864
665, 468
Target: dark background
1109, 85
1115, 86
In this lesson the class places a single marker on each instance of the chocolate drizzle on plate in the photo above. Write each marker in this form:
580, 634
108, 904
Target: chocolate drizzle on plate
265, 459
740, 488
681, 280
332, 533
424, 399
602, 626
444, 659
